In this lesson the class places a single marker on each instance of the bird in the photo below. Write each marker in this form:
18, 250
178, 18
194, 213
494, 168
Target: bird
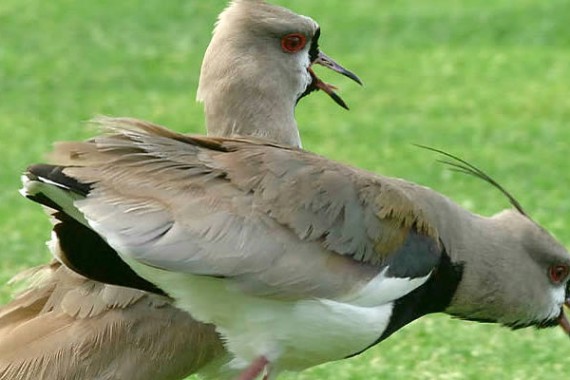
234, 62
296, 259
65, 325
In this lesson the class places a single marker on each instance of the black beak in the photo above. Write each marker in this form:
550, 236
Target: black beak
326, 61
317, 84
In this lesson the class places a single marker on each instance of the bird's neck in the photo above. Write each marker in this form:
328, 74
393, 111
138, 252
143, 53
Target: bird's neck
245, 97
230, 115
467, 240
472, 241
479, 241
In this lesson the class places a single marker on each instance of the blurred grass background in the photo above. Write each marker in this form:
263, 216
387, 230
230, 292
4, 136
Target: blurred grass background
486, 80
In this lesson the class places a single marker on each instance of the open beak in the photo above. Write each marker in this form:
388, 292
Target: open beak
318, 84
326, 61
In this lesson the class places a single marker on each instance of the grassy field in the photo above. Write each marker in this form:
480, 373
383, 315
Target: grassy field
486, 80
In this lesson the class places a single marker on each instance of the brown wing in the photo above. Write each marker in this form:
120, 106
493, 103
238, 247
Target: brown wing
280, 221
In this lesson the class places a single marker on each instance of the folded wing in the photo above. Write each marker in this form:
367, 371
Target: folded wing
277, 221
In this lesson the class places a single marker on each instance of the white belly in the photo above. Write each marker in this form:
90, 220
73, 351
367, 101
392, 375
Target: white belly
292, 335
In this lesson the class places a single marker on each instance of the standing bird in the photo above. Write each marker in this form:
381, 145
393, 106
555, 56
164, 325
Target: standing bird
67, 326
297, 260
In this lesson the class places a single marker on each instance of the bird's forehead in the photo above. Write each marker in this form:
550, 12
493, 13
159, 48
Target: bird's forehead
551, 247
258, 16
284, 24
542, 242
537, 240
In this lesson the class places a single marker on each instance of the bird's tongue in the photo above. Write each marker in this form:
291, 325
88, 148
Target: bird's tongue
326, 61
327, 88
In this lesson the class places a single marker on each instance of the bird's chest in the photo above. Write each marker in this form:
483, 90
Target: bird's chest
302, 334
292, 335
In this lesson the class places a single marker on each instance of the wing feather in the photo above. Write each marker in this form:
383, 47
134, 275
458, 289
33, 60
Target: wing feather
270, 217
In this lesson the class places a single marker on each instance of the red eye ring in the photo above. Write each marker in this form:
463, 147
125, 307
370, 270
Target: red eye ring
294, 42
558, 273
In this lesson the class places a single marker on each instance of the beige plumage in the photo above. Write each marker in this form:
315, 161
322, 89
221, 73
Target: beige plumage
249, 84
296, 259
68, 327
65, 326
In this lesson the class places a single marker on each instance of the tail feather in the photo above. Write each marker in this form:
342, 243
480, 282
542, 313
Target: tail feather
75, 244
47, 185
54, 175
85, 252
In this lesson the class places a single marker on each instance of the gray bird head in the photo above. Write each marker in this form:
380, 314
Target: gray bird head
260, 59
513, 271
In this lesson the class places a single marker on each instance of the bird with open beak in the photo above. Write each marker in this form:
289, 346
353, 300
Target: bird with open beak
297, 259
258, 66
61, 315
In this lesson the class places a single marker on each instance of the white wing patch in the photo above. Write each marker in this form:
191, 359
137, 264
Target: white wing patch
383, 289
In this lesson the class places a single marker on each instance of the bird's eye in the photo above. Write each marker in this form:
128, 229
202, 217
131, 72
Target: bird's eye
558, 273
292, 43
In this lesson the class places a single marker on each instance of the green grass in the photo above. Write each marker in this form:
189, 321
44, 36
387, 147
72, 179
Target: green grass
486, 80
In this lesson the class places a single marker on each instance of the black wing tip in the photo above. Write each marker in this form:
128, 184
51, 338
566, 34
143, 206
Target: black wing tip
88, 254
56, 175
